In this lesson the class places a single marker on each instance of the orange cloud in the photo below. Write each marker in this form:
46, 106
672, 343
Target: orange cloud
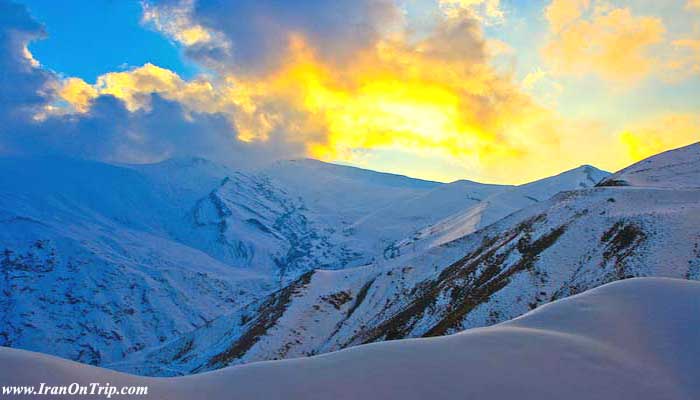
686, 59
135, 86
593, 37
78, 93
439, 97
487, 11
560, 14
423, 98
693, 5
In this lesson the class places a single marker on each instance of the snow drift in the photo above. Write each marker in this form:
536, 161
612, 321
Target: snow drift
632, 339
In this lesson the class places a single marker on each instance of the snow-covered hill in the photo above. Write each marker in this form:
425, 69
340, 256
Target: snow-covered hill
367, 212
100, 261
385, 228
340, 193
92, 268
677, 168
575, 241
497, 205
635, 339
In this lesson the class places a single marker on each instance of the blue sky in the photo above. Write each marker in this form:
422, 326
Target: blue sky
88, 38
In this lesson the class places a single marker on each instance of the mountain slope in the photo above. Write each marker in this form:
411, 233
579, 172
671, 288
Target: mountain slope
677, 168
91, 268
100, 260
498, 205
386, 226
572, 242
341, 194
634, 339
367, 211
394, 215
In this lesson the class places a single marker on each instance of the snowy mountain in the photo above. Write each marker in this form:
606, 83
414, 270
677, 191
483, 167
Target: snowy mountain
497, 205
395, 215
341, 193
92, 268
188, 266
386, 227
677, 169
634, 339
368, 211
575, 241
100, 261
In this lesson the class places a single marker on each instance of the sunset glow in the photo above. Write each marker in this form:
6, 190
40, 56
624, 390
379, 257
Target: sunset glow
463, 96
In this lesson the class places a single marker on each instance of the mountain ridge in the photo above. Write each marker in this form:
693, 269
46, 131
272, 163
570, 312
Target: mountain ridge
484, 254
165, 248
574, 241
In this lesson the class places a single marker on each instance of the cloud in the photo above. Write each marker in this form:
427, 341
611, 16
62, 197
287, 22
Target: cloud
437, 96
78, 94
174, 20
543, 87
693, 5
486, 11
686, 59
109, 131
121, 118
24, 84
620, 44
560, 13
595, 37
533, 78
249, 34
134, 87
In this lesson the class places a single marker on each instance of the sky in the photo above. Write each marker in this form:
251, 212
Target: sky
489, 90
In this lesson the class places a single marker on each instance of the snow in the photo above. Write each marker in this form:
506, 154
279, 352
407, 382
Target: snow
632, 339
143, 254
406, 218
550, 249
500, 204
97, 262
340, 192
365, 211
679, 168
188, 266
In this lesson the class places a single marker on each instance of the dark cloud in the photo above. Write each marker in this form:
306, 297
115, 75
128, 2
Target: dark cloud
456, 39
108, 131
258, 30
23, 86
